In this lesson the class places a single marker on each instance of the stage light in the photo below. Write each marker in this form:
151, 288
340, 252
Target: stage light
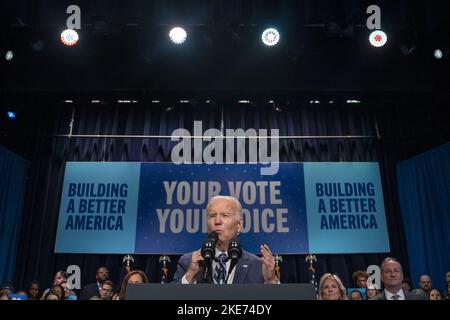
438, 54
378, 38
11, 115
177, 35
9, 55
270, 37
69, 37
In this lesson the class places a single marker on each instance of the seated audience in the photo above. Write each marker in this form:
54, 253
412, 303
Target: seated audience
61, 280
93, 289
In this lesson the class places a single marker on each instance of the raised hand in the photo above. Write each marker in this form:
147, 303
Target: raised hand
268, 265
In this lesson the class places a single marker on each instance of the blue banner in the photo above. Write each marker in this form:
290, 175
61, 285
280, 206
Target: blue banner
160, 208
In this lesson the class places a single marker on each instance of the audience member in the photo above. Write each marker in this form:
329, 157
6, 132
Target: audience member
331, 288
60, 279
356, 295
424, 286
407, 284
372, 291
33, 291
93, 289
134, 277
434, 294
360, 278
392, 277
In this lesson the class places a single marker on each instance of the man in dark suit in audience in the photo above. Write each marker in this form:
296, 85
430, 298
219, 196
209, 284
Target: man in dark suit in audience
225, 218
93, 289
392, 278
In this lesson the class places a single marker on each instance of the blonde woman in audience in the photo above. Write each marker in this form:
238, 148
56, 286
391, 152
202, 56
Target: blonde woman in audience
331, 288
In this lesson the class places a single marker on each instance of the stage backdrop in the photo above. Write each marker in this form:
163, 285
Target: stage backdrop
126, 207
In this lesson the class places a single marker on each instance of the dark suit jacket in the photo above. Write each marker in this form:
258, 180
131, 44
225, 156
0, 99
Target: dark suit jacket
408, 296
89, 291
248, 270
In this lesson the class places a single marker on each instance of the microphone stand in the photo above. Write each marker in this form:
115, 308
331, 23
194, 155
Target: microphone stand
207, 269
232, 265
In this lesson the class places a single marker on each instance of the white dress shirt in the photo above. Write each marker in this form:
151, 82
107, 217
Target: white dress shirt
389, 295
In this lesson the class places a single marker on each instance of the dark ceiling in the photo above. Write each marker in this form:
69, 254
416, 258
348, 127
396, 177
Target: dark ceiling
124, 46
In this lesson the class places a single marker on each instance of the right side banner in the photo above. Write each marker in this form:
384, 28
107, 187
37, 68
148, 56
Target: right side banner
345, 207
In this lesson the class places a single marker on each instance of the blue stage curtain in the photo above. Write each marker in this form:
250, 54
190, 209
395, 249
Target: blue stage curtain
424, 192
13, 173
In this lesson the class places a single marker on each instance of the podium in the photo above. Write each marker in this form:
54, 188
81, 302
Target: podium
288, 291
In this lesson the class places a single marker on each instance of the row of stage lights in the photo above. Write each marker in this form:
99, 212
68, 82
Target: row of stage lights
177, 35
269, 37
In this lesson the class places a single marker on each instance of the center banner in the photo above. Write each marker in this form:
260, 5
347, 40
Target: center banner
160, 208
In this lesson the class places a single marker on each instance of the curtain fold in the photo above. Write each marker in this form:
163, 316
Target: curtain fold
424, 192
13, 180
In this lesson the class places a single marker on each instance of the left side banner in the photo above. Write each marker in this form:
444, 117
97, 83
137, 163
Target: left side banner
99, 207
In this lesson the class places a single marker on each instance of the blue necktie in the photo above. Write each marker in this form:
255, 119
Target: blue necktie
220, 271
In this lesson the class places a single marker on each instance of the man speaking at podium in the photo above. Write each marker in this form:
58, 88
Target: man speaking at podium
221, 260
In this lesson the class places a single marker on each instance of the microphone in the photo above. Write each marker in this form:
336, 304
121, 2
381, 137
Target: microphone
234, 253
234, 250
208, 253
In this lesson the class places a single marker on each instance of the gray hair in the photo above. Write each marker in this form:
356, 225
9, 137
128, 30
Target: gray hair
228, 198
